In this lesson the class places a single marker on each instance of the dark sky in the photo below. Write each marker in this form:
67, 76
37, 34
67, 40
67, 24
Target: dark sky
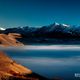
15, 13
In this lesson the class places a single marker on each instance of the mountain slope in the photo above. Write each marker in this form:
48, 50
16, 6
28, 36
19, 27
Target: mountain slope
54, 34
8, 67
10, 39
10, 70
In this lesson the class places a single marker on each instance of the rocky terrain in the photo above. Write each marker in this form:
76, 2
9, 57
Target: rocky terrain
10, 40
10, 70
51, 34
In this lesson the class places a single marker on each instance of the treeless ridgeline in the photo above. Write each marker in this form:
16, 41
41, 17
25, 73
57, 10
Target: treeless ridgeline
10, 40
8, 67
10, 70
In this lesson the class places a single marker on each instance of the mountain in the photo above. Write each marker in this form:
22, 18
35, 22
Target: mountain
27, 29
10, 39
10, 70
54, 33
2, 29
9, 66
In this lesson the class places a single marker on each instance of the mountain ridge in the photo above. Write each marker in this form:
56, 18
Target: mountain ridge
10, 40
54, 33
10, 70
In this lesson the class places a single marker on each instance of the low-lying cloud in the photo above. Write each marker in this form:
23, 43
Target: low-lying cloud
43, 47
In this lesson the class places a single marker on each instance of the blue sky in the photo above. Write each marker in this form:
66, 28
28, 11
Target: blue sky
15, 13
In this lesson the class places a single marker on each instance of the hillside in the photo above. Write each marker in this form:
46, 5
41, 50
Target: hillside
10, 40
54, 34
10, 70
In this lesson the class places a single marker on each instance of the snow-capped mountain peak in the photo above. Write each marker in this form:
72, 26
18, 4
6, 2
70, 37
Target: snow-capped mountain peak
65, 25
55, 23
2, 28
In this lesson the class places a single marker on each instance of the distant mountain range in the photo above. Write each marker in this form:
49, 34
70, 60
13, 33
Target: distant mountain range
54, 33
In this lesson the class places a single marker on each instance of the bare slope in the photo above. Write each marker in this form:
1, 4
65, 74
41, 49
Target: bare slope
10, 40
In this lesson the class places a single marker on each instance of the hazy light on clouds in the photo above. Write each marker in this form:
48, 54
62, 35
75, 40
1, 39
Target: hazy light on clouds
44, 47
49, 61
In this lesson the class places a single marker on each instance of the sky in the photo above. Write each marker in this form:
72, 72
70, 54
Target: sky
36, 13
